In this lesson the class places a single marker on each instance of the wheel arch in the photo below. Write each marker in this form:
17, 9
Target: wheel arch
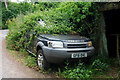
39, 46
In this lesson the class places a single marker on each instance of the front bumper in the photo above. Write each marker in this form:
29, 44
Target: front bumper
58, 55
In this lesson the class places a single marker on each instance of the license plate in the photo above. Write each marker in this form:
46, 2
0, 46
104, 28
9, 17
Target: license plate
79, 55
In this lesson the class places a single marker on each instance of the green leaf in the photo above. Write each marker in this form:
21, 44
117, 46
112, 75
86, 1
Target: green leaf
78, 20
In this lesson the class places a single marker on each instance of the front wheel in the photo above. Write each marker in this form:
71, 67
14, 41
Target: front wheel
41, 61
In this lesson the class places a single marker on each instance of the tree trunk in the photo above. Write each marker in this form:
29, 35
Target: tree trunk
6, 5
102, 38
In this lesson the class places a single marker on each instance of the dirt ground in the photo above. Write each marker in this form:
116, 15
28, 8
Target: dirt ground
11, 68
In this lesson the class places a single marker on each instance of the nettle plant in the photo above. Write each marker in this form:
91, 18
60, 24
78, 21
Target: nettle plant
80, 71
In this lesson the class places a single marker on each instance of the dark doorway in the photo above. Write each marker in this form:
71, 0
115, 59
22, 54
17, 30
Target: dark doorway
112, 21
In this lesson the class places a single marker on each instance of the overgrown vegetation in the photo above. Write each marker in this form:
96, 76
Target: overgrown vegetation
99, 68
73, 18
79, 71
22, 24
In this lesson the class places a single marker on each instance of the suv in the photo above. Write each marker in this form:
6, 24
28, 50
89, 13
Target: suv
49, 48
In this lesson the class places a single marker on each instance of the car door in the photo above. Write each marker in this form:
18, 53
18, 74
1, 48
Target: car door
30, 41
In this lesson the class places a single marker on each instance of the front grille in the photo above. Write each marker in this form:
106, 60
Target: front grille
76, 45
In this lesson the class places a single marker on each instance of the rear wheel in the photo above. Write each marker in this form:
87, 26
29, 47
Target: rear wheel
41, 61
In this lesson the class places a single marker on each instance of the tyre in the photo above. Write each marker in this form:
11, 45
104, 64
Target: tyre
41, 61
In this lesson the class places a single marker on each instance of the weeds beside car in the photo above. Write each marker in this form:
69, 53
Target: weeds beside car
98, 67
79, 71
82, 70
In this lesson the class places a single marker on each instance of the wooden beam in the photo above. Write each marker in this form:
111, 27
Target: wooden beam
117, 53
117, 46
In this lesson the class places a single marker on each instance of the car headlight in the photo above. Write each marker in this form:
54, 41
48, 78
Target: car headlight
55, 44
89, 43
